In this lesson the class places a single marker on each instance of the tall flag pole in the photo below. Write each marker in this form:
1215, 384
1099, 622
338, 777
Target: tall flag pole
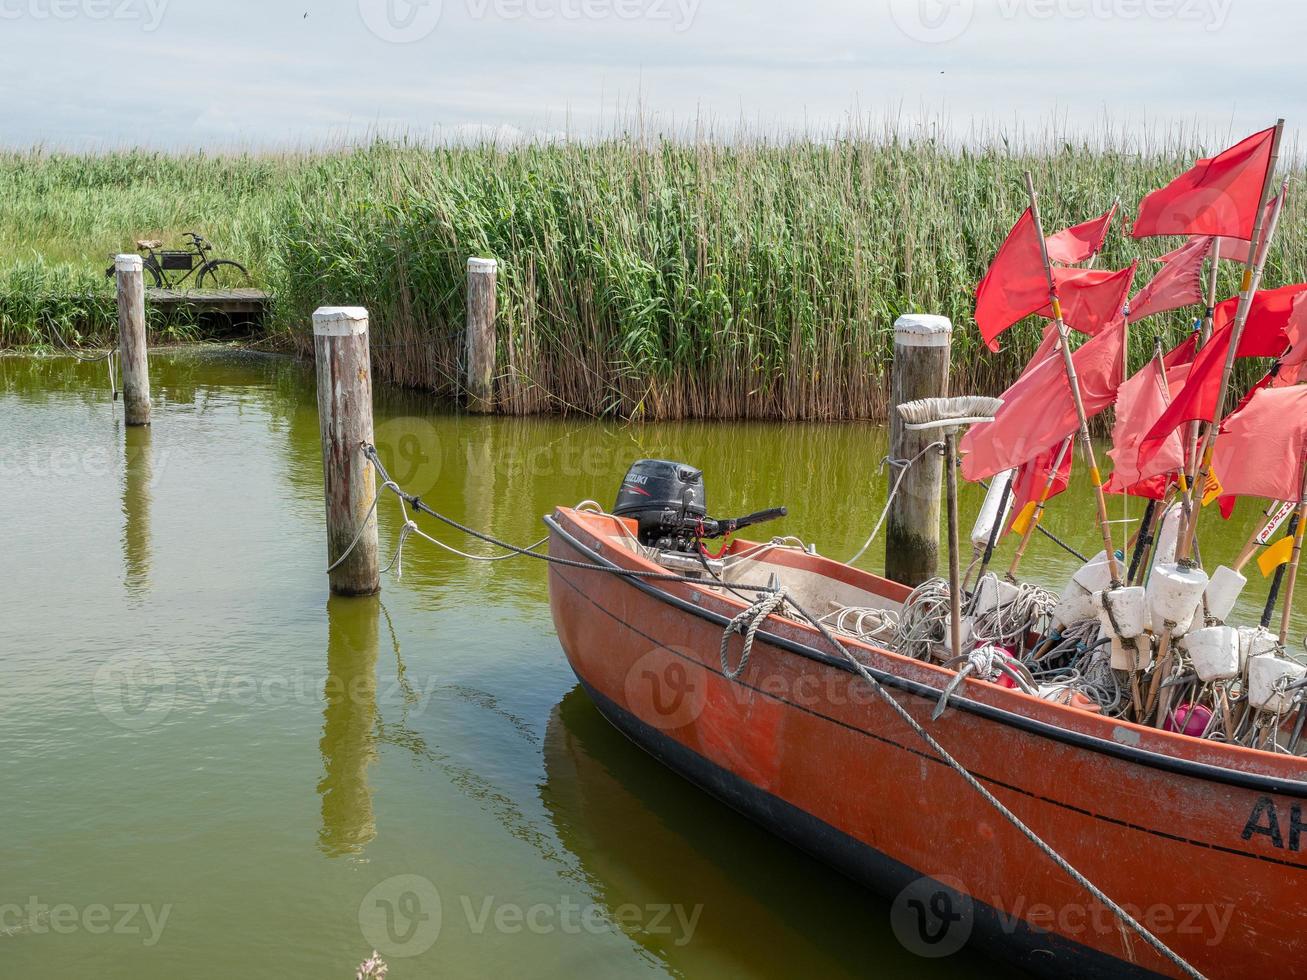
1297, 555
1251, 280
1086, 443
1040, 503
1195, 428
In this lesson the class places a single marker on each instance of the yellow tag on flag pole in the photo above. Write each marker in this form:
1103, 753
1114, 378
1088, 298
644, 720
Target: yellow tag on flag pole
1275, 556
1022, 524
1212, 490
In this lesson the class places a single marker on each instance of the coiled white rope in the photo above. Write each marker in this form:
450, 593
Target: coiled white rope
1008, 623
923, 621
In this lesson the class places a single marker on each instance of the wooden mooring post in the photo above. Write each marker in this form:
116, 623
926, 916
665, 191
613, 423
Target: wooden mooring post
132, 349
922, 348
480, 356
344, 373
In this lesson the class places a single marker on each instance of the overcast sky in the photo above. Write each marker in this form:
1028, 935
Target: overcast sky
252, 73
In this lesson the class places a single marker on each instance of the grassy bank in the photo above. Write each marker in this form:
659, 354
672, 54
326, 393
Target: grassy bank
669, 280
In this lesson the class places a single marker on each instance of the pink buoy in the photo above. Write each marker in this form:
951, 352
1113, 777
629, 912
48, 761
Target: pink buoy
1189, 719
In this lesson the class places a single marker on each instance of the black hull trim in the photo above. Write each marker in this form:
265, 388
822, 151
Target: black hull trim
997, 934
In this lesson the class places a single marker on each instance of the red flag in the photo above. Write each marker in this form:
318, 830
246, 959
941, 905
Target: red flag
1291, 368
1140, 402
1091, 298
1268, 333
1082, 242
1183, 353
1038, 411
1180, 283
1015, 285
1240, 249
1231, 249
1219, 196
1028, 485
1275, 320
1260, 452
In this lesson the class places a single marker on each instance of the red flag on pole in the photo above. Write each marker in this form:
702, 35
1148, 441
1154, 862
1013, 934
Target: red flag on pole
1219, 196
1015, 285
1260, 451
1028, 485
1292, 366
1274, 322
1180, 283
1039, 412
1239, 250
1091, 298
1140, 402
1183, 353
1231, 249
1082, 242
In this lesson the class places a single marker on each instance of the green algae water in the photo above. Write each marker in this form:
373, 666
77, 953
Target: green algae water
213, 770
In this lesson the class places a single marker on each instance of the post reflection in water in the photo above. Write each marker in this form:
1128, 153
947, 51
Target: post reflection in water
349, 725
138, 479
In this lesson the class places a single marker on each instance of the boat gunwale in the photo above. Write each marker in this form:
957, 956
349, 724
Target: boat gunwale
1241, 778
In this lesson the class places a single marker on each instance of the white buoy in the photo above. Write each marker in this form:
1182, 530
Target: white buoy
1214, 652
1173, 595
983, 529
1076, 606
1095, 575
1129, 610
1168, 536
1134, 654
1265, 674
992, 593
1255, 641
1223, 592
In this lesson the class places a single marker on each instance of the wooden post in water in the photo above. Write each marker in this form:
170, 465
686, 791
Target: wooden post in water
344, 370
920, 370
481, 334
132, 349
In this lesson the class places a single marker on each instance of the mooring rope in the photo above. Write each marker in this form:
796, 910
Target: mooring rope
903, 466
748, 623
779, 595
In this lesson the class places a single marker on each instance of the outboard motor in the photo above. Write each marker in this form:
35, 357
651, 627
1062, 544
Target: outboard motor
669, 505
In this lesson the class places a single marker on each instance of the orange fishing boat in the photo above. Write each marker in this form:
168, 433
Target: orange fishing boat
1199, 840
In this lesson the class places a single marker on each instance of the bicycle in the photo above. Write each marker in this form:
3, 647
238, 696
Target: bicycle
210, 273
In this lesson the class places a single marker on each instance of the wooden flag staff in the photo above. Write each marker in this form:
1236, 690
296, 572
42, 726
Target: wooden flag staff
1040, 504
1252, 276
1297, 555
1086, 443
1196, 428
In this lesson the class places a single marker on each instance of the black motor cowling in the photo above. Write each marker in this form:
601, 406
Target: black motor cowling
663, 497
668, 503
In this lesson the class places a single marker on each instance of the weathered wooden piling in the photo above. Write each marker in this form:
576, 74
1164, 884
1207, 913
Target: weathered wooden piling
920, 370
132, 349
480, 357
344, 371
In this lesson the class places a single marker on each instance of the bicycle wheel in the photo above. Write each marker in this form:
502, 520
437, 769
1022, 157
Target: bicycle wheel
151, 270
223, 274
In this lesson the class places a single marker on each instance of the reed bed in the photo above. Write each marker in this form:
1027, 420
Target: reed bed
653, 278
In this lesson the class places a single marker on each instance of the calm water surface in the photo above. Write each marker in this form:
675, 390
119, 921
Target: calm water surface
210, 769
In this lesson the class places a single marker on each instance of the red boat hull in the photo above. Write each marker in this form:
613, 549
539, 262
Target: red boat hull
1200, 841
